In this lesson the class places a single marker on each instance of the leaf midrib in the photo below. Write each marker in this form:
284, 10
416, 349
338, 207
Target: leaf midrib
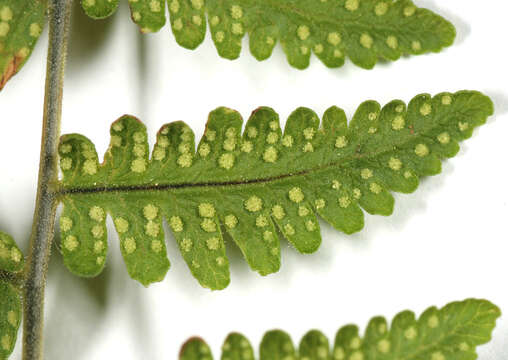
66, 190
341, 23
69, 190
455, 331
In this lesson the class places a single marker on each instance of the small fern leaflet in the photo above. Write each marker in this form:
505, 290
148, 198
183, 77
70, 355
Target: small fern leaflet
363, 30
11, 261
450, 333
11, 258
21, 23
99, 9
251, 187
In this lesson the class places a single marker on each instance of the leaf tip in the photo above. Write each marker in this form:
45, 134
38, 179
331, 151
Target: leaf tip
194, 348
11, 69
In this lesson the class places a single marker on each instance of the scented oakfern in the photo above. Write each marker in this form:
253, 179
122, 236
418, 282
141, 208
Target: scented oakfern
11, 262
363, 30
450, 333
254, 187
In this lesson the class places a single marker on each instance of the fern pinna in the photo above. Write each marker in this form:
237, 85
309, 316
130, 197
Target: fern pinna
363, 30
450, 333
253, 186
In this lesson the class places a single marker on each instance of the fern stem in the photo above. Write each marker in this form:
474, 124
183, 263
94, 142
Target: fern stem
46, 202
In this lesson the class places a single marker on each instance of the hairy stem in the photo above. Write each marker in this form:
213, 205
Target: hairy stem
46, 202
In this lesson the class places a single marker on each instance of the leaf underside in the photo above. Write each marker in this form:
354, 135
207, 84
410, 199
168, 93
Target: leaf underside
253, 188
450, 333
11, 261
21, 23
363, 30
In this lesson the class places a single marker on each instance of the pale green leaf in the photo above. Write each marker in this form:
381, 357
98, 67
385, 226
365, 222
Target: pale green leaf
10, 315
363, 30
21, 23
451, 333
253, 186
11, 257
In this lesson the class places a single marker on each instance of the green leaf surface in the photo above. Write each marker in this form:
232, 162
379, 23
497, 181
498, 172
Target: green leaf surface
252, 187
450, 333
10, 316
363, 30
11, 257
99, 9
149, 15
21, 23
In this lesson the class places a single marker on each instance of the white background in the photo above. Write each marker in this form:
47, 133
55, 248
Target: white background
447, 241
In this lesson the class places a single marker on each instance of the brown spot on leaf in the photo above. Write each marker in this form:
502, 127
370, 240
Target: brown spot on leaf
11, 69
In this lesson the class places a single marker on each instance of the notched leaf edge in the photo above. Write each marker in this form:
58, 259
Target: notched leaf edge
270, 182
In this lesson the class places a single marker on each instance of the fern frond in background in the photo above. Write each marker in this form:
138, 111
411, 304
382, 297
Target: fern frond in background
450, 333
11, 261
363, 30
21, 23
250, 187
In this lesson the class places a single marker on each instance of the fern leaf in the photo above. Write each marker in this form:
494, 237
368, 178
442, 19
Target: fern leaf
11, 261
250, 186
10, 315
363, 30
21, 23
11, 257
99, 9
450, 333
149, 15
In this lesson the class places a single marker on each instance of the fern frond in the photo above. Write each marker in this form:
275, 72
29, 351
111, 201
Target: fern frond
363, 30
21, 23
251, 187
450, 333
11, 261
